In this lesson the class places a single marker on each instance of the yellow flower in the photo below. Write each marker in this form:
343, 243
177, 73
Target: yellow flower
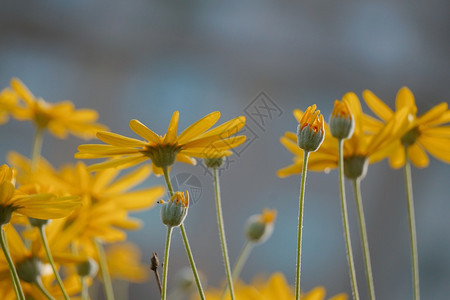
311, 131
60, 118
39, 206
124, 263
194, 141
342, 123
8, 103
426, 132
276, 287
260, 227
358, 150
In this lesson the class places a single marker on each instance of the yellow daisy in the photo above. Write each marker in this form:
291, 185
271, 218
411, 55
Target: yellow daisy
124, 263
194, 141
357, 149
276, 287
59, 118
426, 133
39, 206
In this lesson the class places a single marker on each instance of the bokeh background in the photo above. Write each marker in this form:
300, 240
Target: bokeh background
145, 59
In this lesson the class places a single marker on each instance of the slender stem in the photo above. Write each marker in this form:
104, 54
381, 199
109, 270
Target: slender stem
192, 262
107, 284
166, 263
223, 240
51, 261
348, 244
186, 241
38, 283
12, 269
37, 147
242, 259
300, 225
154, 267
84, 289
364, 239
412, 226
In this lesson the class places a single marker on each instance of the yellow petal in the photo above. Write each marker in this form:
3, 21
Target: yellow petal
143, 131
442, 132
22, 91
229, 143
186, 159
397, 158
139, 199
119, 140
298, 114
438, 147
122, 162
222, 131
6, 192
318, 293
405, 98
417, 156
339, 297
171, 135
294, 169
354, 105
291, 146
46, 206
198, 127
130, 180
433, 114
378, 107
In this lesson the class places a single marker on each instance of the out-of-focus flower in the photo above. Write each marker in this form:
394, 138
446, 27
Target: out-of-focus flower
8, 103
194, 141
426, 133
59, 118
124, 263
260, 227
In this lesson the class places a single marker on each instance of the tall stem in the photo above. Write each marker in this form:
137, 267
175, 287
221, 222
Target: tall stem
84, 289
37, 147
166, 263
412, 226
300, 225
12, 269
41, 287
223, 240
241, 260
364, 239
107, 284
51, 261
348, 244
185, 240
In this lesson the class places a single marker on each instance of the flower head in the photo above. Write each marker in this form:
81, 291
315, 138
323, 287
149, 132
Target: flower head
174, 211
198, 140
425, 133
8, 104
260, 227
342, 123
311, 131
60, 118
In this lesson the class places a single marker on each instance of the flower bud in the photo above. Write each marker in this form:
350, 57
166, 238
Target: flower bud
174, 211
30, 269
213, 163
88, 267
355, 167
311, 130
342, 123
260, 227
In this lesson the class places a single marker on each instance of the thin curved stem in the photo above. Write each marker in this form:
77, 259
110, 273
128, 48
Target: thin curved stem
38, 283
166, 177
412, 226
364, 239
37, 147
192, 262
166, 263
107, 284
300, 225
223, 240
348, 244
241, 260
51, 261
84, 289
12, 269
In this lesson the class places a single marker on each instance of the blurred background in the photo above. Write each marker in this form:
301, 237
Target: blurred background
145, 59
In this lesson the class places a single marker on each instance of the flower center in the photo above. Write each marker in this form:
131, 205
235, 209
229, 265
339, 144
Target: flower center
410, 137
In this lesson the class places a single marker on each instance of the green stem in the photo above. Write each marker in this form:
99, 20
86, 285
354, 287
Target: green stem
37, 147
107, 284
41, 287
300, 225
12, 269
185, 240
192, 262
348, 244
223, 240
51, 261
364, 239
166, 263
412, 226
84, 289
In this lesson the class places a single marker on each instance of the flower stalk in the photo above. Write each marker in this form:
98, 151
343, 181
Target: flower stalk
166, 262
107, 284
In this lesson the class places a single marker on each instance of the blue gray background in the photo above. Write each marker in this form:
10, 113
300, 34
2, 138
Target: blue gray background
145, 59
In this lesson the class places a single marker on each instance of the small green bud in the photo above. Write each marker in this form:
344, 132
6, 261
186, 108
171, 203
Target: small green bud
214, 163
174, 211
355, 167
5, 214
342, 123
260, 227
30, 269
87, 268
37, 222
311, 131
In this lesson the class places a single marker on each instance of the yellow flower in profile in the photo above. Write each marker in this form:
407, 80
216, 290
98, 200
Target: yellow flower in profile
260, 227
124, 263
194, 141
276, 287
360, 149
40, 206
8, 103
310, 131
59, 118
426, 132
